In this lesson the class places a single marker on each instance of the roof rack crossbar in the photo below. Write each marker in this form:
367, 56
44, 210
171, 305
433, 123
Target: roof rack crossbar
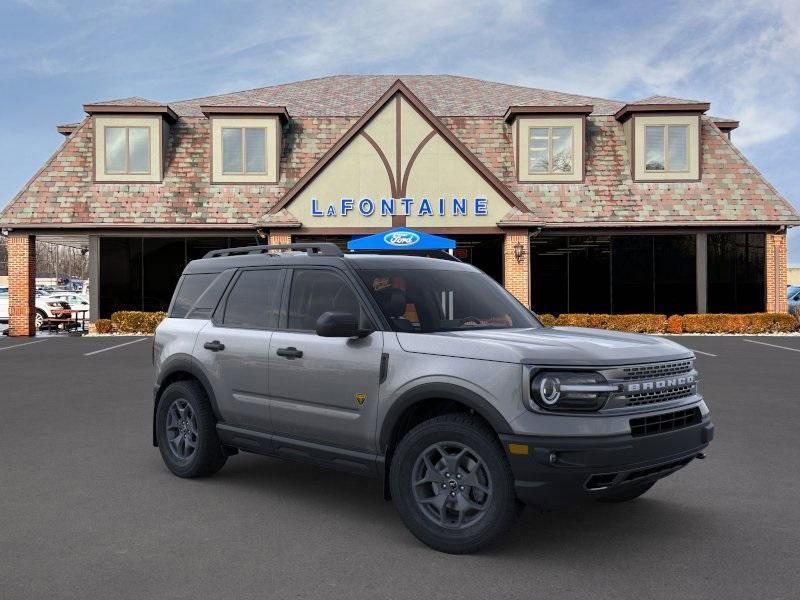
321, 249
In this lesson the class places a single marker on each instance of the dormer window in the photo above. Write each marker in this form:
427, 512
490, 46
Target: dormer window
550, 150
244, 150
127, 150
129, 140
666, 148
245, 143
548, 142
663, 138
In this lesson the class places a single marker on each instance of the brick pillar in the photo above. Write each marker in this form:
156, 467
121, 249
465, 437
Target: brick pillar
280, 236
517, 273
21, 284
775, 273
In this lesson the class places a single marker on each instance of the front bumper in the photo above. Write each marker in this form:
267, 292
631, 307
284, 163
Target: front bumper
557, 471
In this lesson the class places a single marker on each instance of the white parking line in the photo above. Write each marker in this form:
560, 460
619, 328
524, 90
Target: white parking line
701, 352
20, 345
772, 345
114, 347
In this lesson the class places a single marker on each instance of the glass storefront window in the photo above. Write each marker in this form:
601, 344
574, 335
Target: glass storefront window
589, 274
614, 274
736, 272
675, 268
632, 274
140, 273
120, 275
550, 274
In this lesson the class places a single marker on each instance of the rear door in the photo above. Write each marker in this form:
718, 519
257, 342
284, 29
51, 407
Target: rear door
233, 347
324, 389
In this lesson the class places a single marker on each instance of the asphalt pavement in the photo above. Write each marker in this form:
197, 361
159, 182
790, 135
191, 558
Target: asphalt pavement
87, 509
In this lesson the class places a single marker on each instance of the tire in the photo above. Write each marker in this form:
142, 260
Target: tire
453, 518
627, 494
184, 411
39, 318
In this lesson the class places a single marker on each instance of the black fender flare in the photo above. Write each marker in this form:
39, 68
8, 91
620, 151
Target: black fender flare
445, 391
181, 363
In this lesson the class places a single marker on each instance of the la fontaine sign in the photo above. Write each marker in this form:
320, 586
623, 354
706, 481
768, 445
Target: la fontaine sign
389, 207
398, 164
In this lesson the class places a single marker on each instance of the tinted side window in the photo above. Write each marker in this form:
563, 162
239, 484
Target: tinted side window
316, 291
204, 306
191, 287
254, 300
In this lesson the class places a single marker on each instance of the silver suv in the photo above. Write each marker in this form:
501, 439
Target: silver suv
422, 372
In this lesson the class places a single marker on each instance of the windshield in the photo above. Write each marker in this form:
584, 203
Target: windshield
435, 300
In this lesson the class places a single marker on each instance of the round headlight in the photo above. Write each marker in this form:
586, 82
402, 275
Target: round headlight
570, 390
549, 389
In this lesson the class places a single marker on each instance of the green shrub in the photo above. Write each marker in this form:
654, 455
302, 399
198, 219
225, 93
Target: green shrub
136, 321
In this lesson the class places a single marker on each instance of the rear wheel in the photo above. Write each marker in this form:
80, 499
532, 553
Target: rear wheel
628, 493
39, 319
186, 431
452, 485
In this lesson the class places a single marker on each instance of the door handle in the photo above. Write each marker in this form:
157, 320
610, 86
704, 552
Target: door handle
290, 352
214, 346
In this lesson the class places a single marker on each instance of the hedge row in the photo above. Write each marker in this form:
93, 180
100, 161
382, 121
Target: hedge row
136, 321
707, 323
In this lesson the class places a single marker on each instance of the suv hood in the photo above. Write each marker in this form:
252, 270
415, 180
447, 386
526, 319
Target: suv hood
547, 346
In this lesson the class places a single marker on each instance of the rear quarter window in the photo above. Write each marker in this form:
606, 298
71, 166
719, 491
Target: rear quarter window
189, 290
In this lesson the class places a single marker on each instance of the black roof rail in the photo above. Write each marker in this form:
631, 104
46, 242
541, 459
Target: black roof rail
321, 249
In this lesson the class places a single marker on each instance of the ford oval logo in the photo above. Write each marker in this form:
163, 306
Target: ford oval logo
401, 238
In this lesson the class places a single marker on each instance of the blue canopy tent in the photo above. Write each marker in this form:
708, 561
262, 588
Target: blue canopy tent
402, 239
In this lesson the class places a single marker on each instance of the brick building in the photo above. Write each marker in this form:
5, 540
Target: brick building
574, 203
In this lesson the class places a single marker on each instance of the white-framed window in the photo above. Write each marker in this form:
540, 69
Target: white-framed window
666, 148
127, 150
244, 150
550, 150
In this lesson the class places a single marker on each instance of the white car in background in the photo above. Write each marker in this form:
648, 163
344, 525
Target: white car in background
76, 300
47, 307
3, 304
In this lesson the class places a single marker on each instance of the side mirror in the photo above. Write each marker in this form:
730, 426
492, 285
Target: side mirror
340, 324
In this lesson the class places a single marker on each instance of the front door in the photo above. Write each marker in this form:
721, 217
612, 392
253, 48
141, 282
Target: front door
324, 389
234, 349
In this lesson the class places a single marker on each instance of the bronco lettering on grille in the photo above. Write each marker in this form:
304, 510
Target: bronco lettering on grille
658, 384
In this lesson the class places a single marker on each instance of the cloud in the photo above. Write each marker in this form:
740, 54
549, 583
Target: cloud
741, 55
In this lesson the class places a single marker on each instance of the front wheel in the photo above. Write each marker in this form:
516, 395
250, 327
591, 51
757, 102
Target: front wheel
186, 431
452, 485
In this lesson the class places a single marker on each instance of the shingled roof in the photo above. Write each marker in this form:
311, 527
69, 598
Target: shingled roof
352, 95
665, 100
731, 191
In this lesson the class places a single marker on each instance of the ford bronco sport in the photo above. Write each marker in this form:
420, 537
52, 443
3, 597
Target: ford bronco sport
423, 372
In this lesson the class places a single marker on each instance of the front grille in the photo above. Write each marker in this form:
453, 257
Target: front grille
655, 424
650, 373
656, 370
641, 398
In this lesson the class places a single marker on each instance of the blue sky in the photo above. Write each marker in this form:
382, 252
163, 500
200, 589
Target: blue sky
56, 55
